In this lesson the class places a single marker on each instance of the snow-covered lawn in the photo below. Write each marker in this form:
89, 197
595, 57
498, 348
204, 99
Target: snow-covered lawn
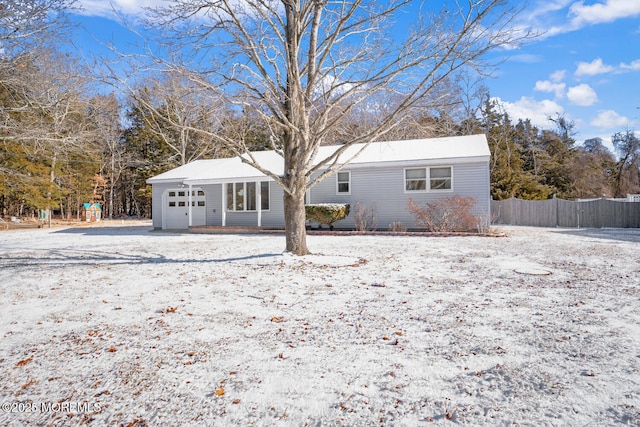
122, 326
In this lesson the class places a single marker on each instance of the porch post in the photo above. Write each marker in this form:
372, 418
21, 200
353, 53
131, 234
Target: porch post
189, 210
224, 204
259, 202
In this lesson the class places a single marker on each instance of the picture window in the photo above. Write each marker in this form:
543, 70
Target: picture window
242, 196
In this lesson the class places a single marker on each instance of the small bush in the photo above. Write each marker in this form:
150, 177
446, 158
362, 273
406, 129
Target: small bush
365, 217
397, 227
445, 215
327, 213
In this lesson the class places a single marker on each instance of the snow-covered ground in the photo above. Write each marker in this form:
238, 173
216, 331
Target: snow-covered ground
123, 326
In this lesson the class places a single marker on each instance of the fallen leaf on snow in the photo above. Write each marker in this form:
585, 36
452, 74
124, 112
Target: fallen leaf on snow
219, 391
136, 422
30, 382
24, 361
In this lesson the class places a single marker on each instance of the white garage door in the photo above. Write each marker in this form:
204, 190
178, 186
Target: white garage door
176, 208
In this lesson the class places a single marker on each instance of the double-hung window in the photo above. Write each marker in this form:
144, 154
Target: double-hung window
343, 183
415, 179
428, 179
243, 196
440, 178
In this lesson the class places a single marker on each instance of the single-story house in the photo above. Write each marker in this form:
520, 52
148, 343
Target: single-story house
228, 192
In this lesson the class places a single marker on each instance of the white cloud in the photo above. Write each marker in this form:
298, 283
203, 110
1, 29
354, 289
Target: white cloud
582, 95
558, 76
526, 58
597, 66
609, 119
607, 11
633, 66
593, 68
527, 108
127, 7
545, 7
546, 17
548, 86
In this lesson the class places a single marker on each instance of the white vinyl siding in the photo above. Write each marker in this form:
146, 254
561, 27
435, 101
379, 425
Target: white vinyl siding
385, 186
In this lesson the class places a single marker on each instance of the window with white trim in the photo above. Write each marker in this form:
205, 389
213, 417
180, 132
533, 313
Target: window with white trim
264, 195
415, 179
243, 196
428, 179
343, 183
440, 178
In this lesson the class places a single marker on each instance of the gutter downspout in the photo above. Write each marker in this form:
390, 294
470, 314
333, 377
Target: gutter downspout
224, 204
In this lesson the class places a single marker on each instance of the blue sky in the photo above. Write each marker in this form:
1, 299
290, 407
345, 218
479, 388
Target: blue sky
585, 64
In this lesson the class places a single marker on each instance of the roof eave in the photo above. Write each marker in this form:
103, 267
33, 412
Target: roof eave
226, 180
156, 180
412, 162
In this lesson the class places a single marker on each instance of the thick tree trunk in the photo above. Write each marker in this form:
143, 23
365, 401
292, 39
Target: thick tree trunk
295, 223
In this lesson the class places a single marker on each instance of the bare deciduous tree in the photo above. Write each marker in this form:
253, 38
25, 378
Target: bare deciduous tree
628, 174
27, 26
109, 135
39, 105
306, 67
48, 120
175, 112
28, 31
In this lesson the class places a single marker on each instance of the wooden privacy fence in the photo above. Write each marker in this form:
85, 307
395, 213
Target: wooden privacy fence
566, 213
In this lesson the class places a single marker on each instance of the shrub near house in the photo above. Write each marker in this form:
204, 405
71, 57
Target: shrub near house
444, 215
327, 213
